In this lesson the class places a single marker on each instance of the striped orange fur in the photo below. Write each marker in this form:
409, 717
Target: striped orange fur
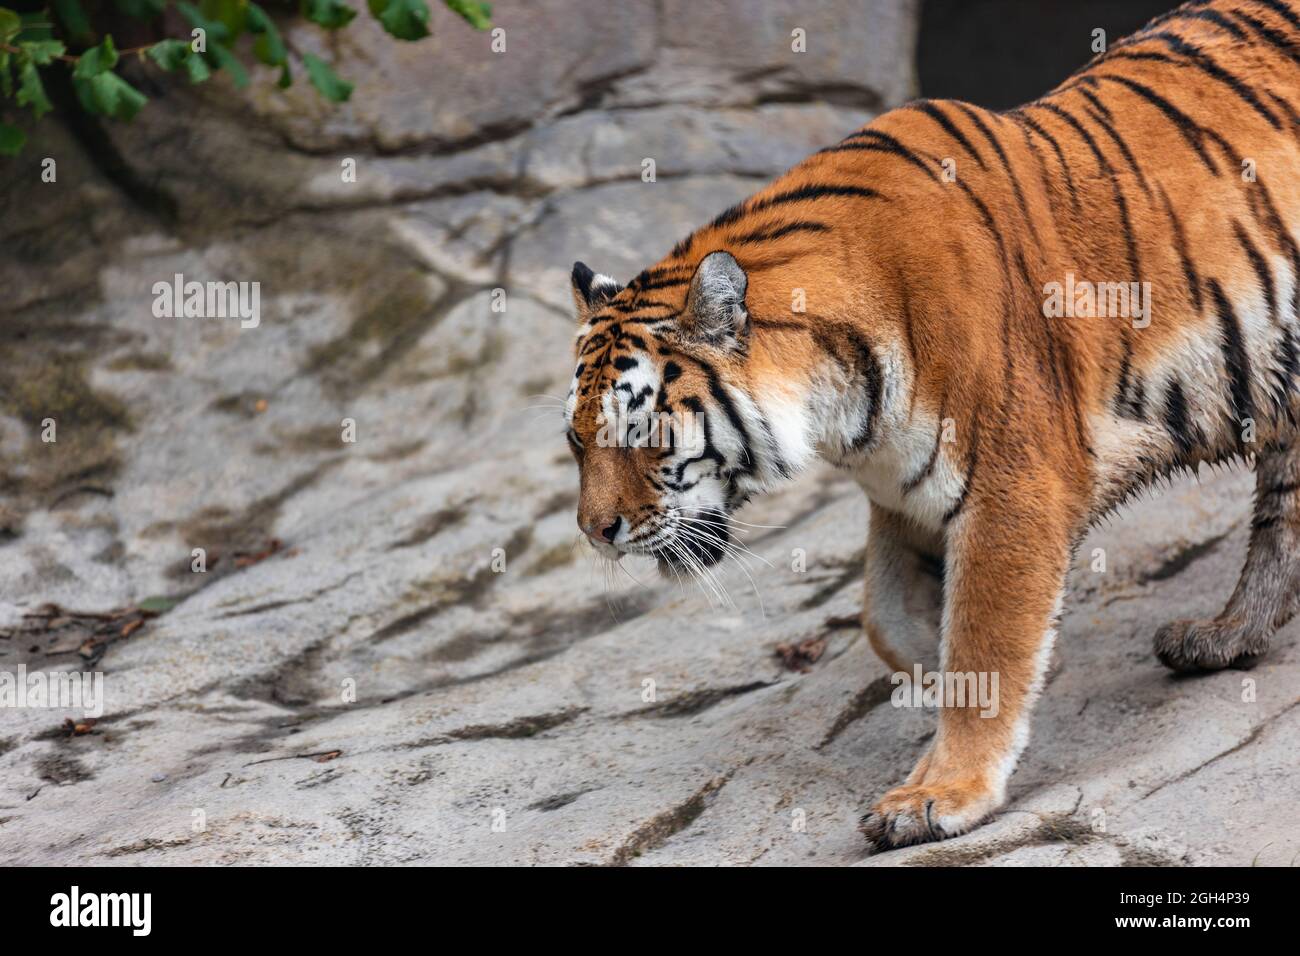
892, 304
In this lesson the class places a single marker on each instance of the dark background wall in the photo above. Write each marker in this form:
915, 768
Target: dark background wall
1001, 53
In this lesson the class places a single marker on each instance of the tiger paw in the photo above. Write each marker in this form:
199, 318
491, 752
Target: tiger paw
923, 813
1190, 646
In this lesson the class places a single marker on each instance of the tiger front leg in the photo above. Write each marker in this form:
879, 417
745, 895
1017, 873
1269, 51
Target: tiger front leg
904, 591
1007, 557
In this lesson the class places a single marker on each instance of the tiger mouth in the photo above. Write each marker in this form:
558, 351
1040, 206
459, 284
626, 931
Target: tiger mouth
700, 545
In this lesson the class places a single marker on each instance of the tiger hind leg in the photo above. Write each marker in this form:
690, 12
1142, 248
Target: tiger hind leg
1268, 594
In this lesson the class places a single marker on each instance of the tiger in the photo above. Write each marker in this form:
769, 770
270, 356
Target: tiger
934, 306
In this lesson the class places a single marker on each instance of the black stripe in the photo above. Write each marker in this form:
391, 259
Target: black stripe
1282, 373
636, 340
1176, 421
1286, 108
1235, 359
911, 484
957, 507
1063, 375
626, 308
1147, 56
655, 273
1033, 124
812, 191
1138, 401
593, 343
1283, 11
765, 235
663, 284
883, 143
1117, 192
1260, 196
1079, 128
719, 394
1191, 131
1092, 98
1206, 64
1006, 166
1129, 158
985, 215
1180, 243
722, 398
1120, 401
839, 341
909, 336
870, 370
989, 223
1278, 40
1286, 488
1151, 26
1042, 172
1212, 16
1262, 272
1289, 359
939, 116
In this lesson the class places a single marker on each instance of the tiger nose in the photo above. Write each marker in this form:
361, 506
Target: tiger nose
606, 528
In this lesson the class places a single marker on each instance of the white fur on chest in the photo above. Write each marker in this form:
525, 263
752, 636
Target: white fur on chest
889, 475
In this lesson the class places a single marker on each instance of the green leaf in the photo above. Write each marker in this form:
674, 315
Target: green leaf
42, 52
226, 60
6, 78
73, 17
97, 60
31, 92
169, 54
326, 80
141, 9
174, 55
197, 68
286, 78
158, 604
10, 24
331, 14
11, 140
478, 15
109, 95
36, 26
404, 19
232, 14
215, 29
268, 47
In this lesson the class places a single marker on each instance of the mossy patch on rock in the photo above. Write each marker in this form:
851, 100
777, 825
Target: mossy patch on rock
141, 362
394, 312
47, 388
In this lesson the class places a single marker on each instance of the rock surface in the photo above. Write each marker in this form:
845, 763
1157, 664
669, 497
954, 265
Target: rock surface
354, 679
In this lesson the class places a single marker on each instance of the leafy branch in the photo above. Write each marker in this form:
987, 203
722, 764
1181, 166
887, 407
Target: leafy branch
67, 36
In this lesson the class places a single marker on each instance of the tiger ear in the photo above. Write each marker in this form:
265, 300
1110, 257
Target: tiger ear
715, 305
591, 290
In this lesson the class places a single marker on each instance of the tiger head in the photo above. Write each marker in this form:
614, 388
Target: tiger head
661, 415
